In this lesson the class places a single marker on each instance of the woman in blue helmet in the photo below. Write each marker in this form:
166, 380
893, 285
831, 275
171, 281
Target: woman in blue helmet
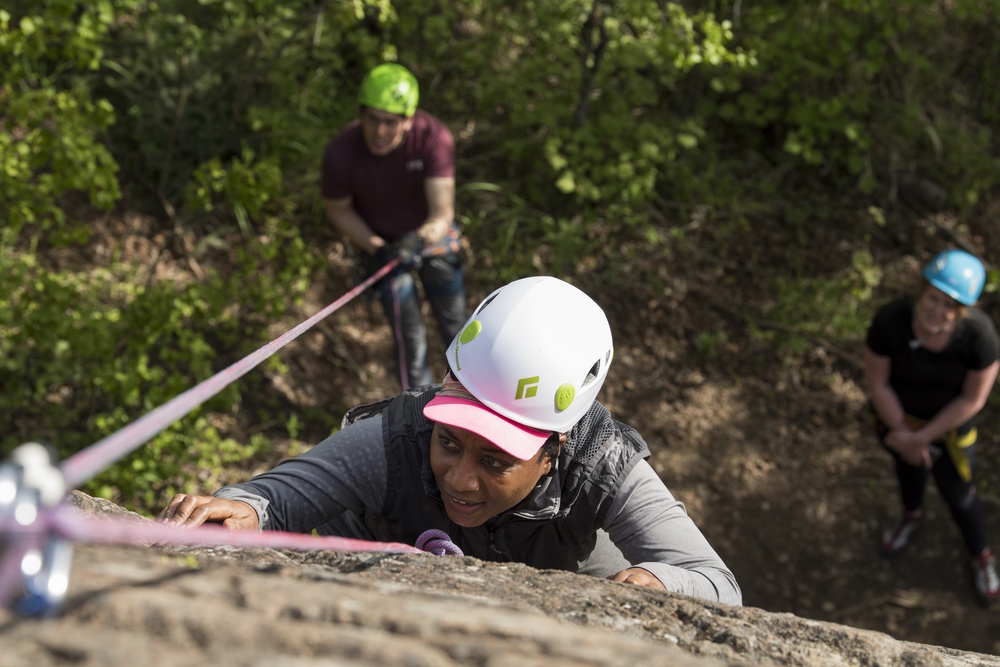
930, 363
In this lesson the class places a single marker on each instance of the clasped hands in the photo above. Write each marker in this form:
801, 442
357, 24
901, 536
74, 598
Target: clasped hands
911, 446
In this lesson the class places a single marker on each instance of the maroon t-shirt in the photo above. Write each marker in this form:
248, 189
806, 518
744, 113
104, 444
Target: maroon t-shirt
388, 191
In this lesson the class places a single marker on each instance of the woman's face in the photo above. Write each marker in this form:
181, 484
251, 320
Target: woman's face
477, 479
935, 312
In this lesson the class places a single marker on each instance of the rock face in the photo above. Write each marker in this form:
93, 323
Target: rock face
148, 605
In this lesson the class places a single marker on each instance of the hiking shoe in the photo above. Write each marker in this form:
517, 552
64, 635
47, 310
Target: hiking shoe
984, 571
898, 534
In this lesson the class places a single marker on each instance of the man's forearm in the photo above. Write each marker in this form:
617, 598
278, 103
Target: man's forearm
349, 223
440, 194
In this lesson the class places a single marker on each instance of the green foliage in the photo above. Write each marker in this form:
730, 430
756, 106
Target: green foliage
707, 344
582, 126
601, 123
858, 90
201, 83
291, 264
836, 309
83, 354
992, 285
494, 215
186, 458
246, 187
597, 84
50, 125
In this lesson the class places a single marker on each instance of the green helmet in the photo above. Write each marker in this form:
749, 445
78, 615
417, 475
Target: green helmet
391, 88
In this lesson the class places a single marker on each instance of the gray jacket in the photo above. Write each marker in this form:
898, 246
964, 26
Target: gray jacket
601, 511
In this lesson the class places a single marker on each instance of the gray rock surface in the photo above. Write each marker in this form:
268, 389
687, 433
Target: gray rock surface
150, 605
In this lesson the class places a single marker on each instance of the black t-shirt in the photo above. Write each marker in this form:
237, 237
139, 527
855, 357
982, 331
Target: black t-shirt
926, 381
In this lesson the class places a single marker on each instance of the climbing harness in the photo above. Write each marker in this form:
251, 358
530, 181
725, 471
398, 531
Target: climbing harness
38, 527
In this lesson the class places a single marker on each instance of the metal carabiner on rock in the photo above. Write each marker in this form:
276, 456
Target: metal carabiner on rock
31, 484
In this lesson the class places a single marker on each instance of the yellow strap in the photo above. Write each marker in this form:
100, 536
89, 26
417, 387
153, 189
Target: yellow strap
956, 450
956, 447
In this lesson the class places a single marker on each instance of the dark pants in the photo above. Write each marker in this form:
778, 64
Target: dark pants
443, 281
956, 487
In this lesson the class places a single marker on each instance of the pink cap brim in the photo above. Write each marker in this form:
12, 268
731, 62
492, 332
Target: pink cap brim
519, 441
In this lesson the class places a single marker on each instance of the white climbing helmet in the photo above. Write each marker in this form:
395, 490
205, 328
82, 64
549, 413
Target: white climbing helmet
536, 351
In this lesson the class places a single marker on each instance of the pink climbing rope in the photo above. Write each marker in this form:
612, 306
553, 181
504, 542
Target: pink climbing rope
88, 462
43, 534
438, 543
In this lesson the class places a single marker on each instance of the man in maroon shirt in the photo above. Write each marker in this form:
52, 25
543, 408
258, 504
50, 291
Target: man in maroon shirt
388, 183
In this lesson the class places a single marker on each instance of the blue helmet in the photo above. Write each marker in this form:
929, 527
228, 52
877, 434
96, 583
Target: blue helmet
958, 274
